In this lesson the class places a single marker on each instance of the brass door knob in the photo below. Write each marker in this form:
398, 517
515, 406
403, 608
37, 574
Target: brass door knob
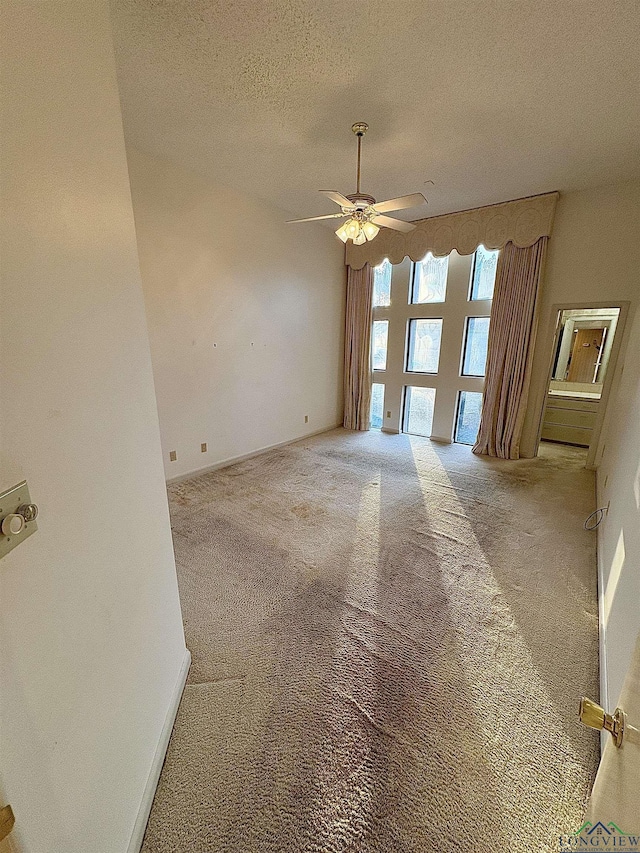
595, 717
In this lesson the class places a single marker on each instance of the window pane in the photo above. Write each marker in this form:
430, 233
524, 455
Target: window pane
430, 280
475, 346
468, 421
418, 410
377, 405
424, 345
485, 263
382, 284
379, 344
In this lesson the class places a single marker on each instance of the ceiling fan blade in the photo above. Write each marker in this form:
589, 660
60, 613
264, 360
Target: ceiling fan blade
314, 218
340, 199
396, 224
400, 203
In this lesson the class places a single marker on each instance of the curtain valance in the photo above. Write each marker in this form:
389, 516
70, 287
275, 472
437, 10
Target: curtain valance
522, 222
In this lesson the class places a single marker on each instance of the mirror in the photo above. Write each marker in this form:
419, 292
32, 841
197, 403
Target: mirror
582, 354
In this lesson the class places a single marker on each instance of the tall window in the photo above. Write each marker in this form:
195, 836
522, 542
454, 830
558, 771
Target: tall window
430, 334
424, 345
418, 410
379, 344
468, 417
382, 284
379, 338
429, 280
475, 346
377, 404
483, 275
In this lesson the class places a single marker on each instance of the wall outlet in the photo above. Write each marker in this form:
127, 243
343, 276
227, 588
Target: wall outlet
203, 447
388, 414
16, 507
306, 419
172, 456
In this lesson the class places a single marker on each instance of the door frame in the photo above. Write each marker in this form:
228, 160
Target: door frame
556, 311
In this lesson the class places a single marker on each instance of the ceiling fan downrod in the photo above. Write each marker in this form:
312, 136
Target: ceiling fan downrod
359, 128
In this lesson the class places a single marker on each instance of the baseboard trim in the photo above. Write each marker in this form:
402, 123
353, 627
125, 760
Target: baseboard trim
232, 460
158, 759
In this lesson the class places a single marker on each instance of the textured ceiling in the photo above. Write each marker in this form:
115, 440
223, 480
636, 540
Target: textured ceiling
489, 100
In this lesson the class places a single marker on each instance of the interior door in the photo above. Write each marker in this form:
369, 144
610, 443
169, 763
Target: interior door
584, 355
616, 793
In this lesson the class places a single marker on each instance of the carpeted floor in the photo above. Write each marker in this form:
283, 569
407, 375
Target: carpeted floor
390, 638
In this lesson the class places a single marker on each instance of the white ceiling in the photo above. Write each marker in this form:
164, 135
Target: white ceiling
489, 100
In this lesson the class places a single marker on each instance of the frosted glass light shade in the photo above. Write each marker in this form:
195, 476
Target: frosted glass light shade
353, 228
370, 230
342, 232
360, 239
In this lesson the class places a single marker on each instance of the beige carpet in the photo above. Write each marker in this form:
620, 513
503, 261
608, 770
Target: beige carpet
389, 638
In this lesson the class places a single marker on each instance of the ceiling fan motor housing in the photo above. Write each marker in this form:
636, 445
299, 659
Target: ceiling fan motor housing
361, 200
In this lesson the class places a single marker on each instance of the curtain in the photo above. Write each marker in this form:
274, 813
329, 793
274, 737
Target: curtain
357, 348
510, 350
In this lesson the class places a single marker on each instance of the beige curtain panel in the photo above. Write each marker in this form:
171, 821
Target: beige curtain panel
357, 348
510, 349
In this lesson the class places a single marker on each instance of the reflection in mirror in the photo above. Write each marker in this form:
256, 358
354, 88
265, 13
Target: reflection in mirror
582, 353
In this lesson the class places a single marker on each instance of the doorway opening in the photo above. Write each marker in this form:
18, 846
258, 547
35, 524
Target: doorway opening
585, 349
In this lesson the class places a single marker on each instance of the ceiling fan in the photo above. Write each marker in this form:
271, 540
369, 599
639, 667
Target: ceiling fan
364, 215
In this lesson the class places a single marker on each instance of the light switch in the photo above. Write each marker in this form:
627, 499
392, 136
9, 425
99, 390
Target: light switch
17, 517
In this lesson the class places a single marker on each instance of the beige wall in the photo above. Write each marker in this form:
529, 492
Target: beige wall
619, 532
245, 316
91, 641
594, 255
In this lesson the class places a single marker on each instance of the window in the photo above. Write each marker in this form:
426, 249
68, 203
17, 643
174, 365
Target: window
382, 284
379, 336
430, 327
418, 410
424, 346
429, 280
468, 418
377, 405
483, 275
475, 346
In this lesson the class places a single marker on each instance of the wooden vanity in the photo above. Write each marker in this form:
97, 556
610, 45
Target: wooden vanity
569, 420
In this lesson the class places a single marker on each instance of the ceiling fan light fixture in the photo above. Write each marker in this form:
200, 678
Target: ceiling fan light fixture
342, 232
353, 229
358, 229
370, 230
